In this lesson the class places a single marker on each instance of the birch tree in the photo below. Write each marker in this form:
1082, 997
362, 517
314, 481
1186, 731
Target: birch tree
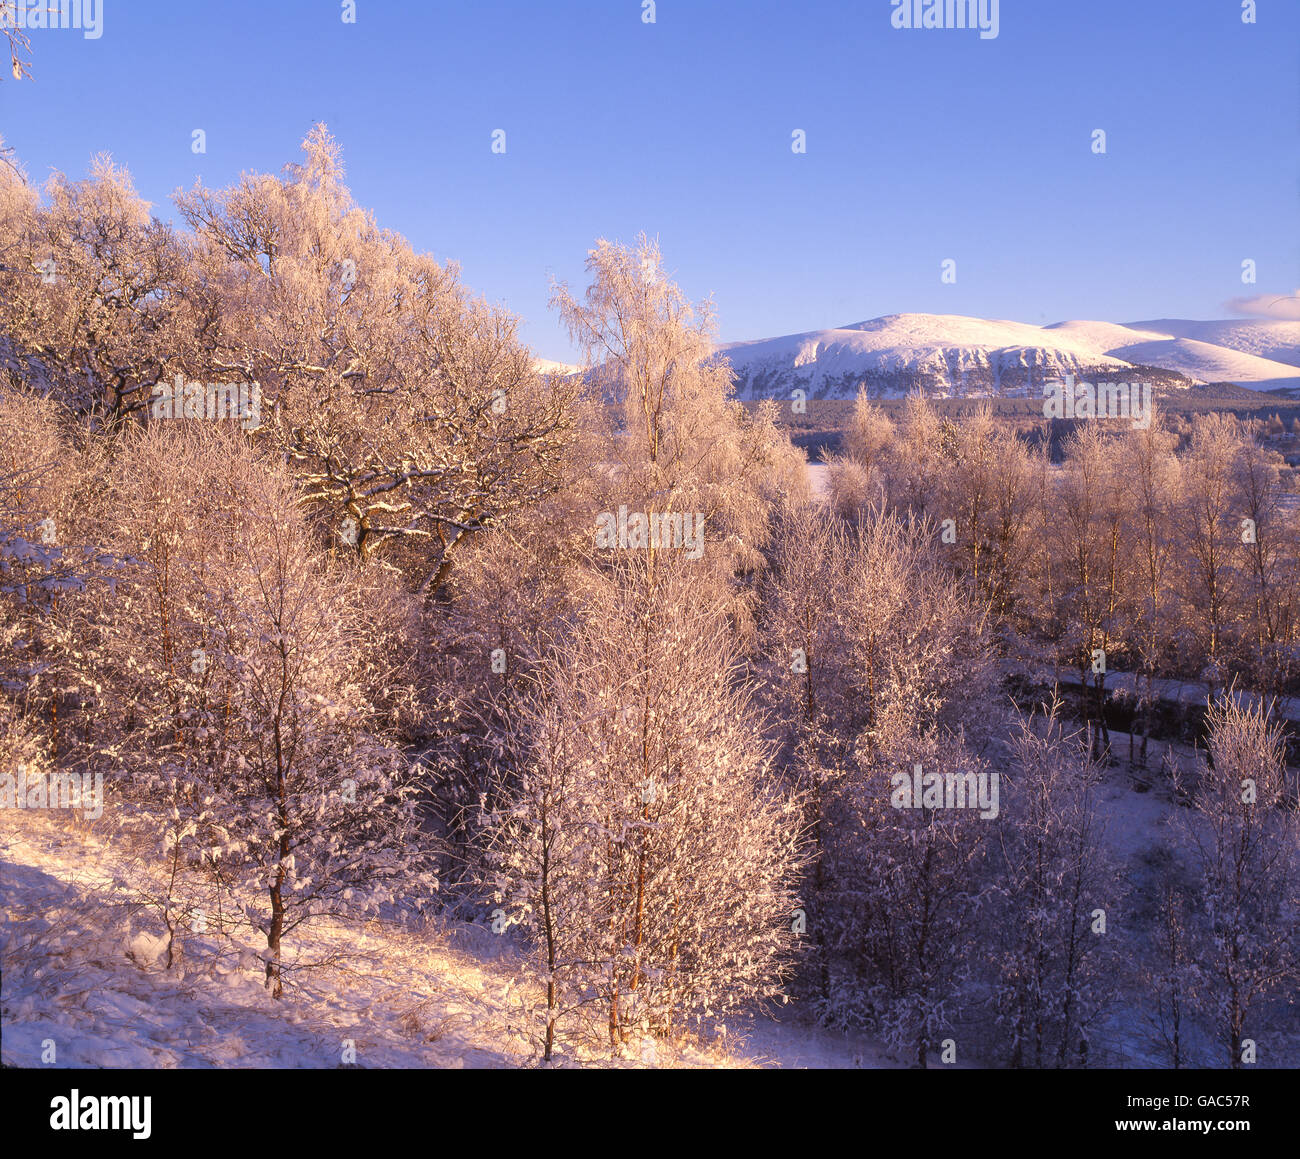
1242, 836
647, 850
240, 691
678, 441
1058, 892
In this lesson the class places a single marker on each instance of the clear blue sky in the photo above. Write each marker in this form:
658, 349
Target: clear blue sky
921, 145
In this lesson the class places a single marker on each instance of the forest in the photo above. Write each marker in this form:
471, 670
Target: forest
404, 629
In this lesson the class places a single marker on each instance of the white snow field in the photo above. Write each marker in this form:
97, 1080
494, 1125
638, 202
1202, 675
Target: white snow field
959, 354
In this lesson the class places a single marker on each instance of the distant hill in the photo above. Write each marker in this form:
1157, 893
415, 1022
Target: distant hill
950, 355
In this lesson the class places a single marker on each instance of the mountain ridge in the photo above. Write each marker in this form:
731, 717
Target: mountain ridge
958, 355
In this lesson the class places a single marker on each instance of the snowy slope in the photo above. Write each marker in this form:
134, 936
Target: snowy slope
1208, 363
550, 366
81, 961
83, 967
1105, 336
948, 354
1275, 341
1258, 354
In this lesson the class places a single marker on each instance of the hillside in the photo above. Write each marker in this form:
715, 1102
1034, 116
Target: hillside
952, 355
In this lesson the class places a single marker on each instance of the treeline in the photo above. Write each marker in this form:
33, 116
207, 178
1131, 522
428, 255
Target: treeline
1131, 554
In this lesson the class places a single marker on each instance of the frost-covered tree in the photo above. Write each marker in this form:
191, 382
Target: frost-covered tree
898, 887
646, 848
921, 659
515, 589
907, 893
1092, 569
409, 410
19, 45
96, 287
1149, 477
1242, 837
1269, 541
676, 440
1209, 515
803, 615
1053, 874
45, 561
985, 488
243, 691
806, 667
916, 464
1172, 979
870, 433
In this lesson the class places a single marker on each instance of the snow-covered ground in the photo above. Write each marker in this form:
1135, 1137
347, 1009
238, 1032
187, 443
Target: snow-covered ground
83, 969
819, 479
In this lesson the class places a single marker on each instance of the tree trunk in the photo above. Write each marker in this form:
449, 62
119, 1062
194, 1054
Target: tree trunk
274, 982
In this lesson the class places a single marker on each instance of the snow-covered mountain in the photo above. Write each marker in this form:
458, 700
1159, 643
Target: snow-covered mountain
550, 366
949, 354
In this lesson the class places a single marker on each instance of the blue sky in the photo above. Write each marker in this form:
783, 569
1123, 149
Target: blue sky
922, 145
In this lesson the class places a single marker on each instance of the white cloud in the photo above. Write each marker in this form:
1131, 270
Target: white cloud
1284, 307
